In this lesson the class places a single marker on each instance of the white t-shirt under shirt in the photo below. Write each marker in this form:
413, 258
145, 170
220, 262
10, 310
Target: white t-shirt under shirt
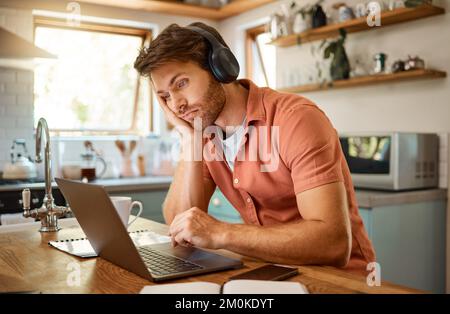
231, 144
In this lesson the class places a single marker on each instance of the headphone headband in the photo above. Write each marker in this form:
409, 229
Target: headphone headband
222, 62
211, 39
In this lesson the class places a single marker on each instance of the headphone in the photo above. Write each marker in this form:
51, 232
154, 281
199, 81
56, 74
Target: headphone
222, 62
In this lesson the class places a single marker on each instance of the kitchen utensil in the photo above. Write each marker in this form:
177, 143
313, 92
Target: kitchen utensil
380, 62
360, 10
89, 163
278, 26
21, 165
141, 165
319, 17
414, 63
133, 144
345, 13
121, 146
302, 22
128, 167
89, 166
398, 66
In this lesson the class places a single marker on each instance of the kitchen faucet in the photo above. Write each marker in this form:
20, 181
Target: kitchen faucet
49, 213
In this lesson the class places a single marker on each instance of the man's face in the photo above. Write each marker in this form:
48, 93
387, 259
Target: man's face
189, 91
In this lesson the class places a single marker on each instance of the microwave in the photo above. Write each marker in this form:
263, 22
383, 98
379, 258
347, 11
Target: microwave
393, 160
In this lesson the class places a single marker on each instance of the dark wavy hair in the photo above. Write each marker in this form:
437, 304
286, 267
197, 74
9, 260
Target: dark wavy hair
176, 43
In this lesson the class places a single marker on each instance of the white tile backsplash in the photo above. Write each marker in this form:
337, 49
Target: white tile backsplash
7, 76
16, 109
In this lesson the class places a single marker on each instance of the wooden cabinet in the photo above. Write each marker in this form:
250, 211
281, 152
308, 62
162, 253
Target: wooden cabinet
409, 239
409, 242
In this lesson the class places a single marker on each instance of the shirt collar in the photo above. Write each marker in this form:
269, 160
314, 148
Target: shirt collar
255, 108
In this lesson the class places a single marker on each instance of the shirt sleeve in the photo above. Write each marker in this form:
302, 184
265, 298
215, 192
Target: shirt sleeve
310, 147
206, 173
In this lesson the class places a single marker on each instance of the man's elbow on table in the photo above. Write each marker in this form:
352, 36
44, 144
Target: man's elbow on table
341, 247
335, 251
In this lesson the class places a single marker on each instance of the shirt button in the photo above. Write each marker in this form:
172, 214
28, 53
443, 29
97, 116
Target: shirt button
248, 200
236, 181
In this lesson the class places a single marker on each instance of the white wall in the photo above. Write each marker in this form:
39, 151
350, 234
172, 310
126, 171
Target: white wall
421, 106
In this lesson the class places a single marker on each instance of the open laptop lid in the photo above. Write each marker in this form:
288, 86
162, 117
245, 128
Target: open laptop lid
102, 225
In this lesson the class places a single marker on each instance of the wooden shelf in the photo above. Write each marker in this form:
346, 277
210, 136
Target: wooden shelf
396, 16
368, 80
235, 7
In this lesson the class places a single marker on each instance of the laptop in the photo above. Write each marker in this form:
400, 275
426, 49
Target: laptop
110, 239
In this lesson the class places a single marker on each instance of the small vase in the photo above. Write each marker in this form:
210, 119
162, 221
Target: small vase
340, 65
319, 17
302, 22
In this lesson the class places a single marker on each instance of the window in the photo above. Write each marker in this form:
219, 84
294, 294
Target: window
92, 86
260, 57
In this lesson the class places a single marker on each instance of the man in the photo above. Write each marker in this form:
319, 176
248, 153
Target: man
300, 209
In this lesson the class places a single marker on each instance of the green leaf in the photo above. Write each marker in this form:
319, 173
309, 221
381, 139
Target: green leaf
343, 33
327, 52
331, 49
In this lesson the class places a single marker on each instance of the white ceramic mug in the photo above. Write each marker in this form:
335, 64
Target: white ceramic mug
124, 205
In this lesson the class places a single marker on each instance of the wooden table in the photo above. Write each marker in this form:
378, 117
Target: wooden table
27, 262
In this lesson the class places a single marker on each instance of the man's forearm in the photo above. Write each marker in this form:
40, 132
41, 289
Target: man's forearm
304, 242
187, 188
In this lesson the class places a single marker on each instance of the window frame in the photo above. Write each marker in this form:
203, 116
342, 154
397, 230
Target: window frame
146, 37
250, 43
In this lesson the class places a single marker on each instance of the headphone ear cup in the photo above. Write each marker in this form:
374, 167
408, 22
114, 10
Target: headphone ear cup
224, 65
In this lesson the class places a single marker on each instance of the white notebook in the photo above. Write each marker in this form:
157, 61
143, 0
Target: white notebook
82, 247
241, 286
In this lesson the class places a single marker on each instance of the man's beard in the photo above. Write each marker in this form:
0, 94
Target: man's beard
212, 103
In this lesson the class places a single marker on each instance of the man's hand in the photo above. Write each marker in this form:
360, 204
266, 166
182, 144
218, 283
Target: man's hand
180, 125
194, 227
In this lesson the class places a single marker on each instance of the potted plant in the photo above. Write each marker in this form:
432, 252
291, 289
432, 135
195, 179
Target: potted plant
340, 65
309, 16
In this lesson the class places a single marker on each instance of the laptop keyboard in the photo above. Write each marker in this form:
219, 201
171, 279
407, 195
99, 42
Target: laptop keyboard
163, 264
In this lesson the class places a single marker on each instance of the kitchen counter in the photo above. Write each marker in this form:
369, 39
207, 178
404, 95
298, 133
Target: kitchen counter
365, 198
371, 199
135, 184
111, 185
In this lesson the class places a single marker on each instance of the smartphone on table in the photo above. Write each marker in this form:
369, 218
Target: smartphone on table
267, 272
